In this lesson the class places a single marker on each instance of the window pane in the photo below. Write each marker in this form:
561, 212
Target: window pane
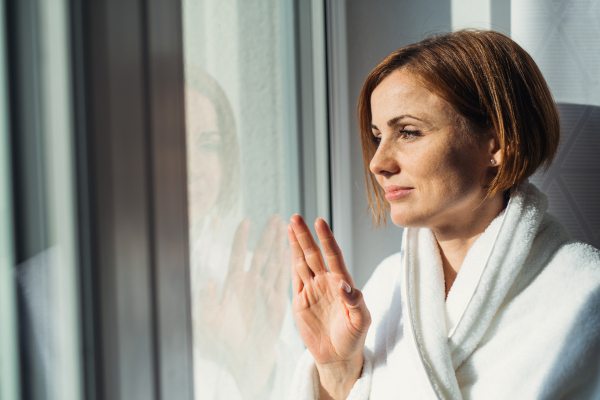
44, 200
9, 371
243, 185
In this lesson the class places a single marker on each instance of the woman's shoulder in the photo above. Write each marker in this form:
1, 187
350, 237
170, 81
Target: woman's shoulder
569, 270
581, 259
554, 243
578, 261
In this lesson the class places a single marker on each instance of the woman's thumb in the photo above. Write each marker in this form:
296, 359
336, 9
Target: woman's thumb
351, 296
355, 303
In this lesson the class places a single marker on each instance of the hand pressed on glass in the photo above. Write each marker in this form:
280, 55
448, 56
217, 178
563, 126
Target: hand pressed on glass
241, 328
332, 322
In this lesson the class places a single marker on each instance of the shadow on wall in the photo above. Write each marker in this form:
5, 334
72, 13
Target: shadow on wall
572, 183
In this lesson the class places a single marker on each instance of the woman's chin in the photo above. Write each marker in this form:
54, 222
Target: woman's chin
401, 220
406, 219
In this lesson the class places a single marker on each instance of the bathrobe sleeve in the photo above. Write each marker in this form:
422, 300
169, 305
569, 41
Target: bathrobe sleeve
306, 379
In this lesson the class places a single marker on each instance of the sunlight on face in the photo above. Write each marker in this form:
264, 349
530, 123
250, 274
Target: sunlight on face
432, 171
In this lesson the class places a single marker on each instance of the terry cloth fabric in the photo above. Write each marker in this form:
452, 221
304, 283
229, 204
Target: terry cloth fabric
521, 321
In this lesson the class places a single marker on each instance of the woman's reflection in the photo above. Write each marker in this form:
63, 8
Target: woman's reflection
245, 342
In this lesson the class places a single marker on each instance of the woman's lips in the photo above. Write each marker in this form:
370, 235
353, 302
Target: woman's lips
396, 192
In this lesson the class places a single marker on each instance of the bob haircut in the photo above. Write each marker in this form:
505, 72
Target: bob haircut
492, 84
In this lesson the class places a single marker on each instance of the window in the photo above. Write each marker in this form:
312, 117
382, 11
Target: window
256, 154
40, 259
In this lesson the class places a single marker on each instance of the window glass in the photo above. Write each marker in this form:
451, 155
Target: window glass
243, 185
9, 371
44, 197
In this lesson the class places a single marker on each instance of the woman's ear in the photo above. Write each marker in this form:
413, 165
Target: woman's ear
495, 152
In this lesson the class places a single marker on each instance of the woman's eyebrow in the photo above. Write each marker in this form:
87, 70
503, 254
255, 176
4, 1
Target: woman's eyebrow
395, 120
209, 134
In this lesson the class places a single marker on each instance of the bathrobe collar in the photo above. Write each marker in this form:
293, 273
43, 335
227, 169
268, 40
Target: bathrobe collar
446, 333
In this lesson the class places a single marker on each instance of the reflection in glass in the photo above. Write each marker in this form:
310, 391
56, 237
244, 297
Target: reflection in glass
44, 197
245, 340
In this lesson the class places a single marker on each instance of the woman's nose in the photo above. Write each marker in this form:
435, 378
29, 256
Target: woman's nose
384, 161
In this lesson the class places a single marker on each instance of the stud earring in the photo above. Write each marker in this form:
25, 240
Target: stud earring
493, 161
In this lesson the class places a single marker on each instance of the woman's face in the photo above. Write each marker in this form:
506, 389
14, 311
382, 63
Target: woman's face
432, 171
205, 171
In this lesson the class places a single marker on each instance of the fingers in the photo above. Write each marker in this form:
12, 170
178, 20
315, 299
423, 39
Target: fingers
300, 268
350, 295
360, 317
238, 251
332, 251
310, 250
265, 243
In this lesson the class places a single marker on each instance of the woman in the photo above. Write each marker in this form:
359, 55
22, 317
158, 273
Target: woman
488, 298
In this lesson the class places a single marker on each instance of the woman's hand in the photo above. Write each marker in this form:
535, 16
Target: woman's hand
244, 324
330, 313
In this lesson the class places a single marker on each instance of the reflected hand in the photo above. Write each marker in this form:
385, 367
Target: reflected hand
332, 322
245, 323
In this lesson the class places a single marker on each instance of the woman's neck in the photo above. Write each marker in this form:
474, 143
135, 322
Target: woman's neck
455, 240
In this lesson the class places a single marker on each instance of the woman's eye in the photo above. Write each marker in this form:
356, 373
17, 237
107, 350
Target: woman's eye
209, 146
376, 139
407, 133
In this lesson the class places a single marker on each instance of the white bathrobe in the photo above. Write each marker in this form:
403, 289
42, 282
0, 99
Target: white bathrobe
522, 320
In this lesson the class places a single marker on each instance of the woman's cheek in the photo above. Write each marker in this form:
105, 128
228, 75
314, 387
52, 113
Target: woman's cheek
214, 172
206, 177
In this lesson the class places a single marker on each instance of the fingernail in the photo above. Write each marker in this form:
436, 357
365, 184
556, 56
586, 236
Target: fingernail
345, 286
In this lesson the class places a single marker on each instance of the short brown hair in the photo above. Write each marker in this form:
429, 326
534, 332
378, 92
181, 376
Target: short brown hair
491, 82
